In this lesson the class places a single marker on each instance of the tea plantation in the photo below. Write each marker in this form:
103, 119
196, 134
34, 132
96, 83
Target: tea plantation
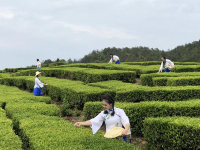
164, 108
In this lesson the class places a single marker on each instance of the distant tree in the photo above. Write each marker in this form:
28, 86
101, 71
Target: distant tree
57, 60
48, 61
69, 61
62, 60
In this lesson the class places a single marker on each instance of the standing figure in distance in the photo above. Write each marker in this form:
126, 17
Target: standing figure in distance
38, 85
38, 64
167, 64
114, 58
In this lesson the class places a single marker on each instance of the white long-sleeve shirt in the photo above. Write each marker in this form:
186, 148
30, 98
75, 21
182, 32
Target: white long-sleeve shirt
167, 63
117, 120
115, 58
38, 83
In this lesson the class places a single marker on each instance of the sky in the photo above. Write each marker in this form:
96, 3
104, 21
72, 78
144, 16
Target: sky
51, 29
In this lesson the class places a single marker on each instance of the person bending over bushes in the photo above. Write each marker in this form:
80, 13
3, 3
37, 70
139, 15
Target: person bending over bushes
113, 117
114, 58
167, 64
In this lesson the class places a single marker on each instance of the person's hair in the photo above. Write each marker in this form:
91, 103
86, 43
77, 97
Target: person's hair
110, 100
163, 57
164, 62
37, 59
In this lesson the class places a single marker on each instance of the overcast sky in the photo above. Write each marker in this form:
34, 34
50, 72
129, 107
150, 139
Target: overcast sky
50, 29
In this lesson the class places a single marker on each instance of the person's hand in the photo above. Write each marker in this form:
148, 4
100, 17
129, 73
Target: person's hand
46, 84
124, 132
77, 124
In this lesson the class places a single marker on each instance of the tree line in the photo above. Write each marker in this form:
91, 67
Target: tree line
185, 53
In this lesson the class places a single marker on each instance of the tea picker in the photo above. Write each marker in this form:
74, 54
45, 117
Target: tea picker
113, 117
167, 64
114, 58
38, 85
38, 64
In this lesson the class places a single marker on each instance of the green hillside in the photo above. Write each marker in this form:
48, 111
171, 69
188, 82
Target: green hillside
184, 53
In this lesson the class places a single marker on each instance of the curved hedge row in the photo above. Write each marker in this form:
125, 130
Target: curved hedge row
126, 92
75, 93
8, 139
172, 133
137, 112
146, 63
86, 75
176, 81
40, 128
138, 68
147, 79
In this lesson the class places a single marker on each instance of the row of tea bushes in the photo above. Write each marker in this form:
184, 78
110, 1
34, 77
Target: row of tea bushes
8, 139
41, 132
4, 75
87, 75
138, 68
172, 133
40, 127
147, 79
147, 63
137, 112
74, 93
127, 92
13, 70
176, 81
15, 95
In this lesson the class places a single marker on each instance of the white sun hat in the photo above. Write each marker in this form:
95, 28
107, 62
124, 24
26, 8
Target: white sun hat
37, 73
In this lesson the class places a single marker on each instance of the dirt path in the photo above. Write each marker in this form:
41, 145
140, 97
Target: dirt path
137, 81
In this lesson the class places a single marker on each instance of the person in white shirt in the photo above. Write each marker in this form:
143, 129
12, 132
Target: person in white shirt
112, 116
114, 58
167, 64
38, 64
38, 85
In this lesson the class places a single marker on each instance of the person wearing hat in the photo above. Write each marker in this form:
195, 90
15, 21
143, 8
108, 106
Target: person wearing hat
167, 64
113, 117
38, 64
114, 58
38, 85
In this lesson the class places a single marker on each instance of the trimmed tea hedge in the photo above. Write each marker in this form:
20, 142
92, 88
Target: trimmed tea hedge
126, 92
41, 132
4, 75
40, 128
137, 112
139, 69
176, 81
146, 63
8, 139
147, 79
16, 95
74, 93
172, 133
86, 75
34, 108
16, 69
